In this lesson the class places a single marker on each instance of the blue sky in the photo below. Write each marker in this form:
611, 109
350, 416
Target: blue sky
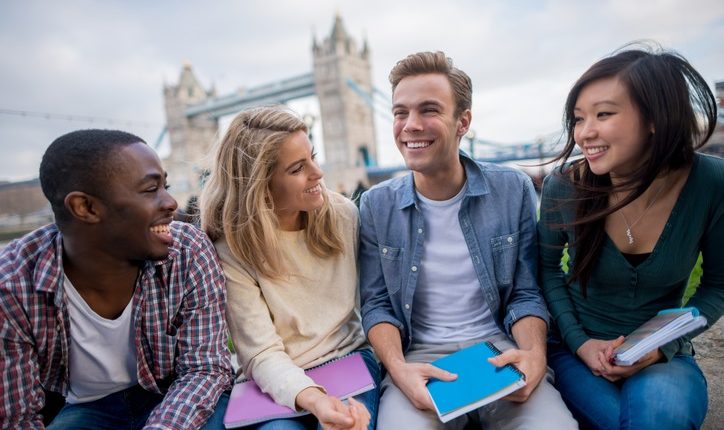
110, 59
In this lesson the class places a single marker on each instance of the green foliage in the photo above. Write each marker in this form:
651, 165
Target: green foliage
694, 281
564, 259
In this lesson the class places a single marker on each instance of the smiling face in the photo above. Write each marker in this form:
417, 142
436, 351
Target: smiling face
137, 208
609, 128
296, 183
427, 132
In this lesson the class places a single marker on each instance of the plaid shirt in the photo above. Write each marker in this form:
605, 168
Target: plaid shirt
178, 318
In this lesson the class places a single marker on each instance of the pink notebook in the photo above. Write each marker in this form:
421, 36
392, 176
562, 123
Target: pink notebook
342, 378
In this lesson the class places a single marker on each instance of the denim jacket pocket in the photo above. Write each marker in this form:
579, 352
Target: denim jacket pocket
391, 260
505, 256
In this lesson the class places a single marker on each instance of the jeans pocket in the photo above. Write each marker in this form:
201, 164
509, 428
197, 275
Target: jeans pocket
505, 256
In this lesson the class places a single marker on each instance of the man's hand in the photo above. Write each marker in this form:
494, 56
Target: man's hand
533, 365
411, 379
530, 335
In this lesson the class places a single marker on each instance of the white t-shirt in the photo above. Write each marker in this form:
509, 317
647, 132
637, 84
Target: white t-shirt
102, 351
448, 305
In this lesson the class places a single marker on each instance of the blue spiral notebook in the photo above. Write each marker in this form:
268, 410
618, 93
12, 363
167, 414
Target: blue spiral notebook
478, 382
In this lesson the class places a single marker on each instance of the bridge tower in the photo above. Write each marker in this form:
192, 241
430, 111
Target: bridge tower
341, 74
191, 137
347, 120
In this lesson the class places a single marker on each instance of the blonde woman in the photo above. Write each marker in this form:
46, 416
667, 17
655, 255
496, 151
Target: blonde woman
288, 248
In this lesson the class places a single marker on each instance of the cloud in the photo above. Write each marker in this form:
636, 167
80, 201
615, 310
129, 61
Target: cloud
111, 59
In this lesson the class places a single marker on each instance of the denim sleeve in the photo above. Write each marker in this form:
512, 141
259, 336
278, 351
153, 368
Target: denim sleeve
526, 298
376, 305
553, 281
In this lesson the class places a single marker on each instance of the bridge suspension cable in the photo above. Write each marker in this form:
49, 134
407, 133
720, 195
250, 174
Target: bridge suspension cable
77, 118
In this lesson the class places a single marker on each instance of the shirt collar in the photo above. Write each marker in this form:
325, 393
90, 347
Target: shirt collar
48, 275
474, 174
48, 272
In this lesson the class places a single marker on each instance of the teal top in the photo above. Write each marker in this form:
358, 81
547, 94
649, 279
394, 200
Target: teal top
621, 297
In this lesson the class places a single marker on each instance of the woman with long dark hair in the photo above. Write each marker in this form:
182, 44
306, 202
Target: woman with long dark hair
635, 213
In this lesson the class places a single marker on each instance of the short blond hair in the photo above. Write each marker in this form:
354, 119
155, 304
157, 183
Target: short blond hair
236, 203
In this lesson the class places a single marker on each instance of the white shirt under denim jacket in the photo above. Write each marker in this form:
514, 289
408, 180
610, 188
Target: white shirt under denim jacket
498, 220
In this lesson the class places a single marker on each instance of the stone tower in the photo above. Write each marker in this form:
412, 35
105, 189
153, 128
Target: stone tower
347, 119
191, 138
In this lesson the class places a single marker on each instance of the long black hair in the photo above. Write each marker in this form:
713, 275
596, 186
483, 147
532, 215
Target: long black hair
674, 99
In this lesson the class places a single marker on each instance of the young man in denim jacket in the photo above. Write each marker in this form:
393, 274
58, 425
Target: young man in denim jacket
448, 259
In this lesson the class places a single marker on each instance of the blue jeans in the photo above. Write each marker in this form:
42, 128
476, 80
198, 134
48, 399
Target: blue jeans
125, 410
370, 399
661, 396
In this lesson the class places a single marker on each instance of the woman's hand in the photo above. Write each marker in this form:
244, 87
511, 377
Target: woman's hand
592, 352
614, 373
360, 414
331, 413
598, 356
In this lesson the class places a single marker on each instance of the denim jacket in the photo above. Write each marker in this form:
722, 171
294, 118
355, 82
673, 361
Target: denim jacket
498, 220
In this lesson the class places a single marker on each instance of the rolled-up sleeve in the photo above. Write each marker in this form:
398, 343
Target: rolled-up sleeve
526, 299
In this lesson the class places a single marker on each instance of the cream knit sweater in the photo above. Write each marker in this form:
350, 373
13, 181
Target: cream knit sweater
280, 327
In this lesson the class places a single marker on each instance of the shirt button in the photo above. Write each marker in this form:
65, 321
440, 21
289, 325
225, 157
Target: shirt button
384, 250
407, 306
419, 230
510, 239
414, 268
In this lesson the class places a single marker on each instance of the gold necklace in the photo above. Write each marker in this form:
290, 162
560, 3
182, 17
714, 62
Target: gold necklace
629, 235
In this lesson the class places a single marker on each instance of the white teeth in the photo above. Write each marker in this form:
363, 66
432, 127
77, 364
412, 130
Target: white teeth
596, 149
161, 229
415, 145
315, 189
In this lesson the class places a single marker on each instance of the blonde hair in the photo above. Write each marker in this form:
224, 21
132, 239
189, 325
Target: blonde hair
236, 203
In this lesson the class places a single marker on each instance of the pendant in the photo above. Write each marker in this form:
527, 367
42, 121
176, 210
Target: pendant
630, 236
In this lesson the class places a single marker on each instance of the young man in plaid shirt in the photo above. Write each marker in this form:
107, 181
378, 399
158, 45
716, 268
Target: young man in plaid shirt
114, 307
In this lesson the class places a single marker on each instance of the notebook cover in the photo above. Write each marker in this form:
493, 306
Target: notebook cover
666, 326
342, 377
477, 380
649, 328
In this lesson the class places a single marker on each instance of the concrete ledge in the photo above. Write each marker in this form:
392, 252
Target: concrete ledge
709, 348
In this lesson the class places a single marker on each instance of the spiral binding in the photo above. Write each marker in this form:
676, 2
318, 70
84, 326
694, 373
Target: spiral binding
356, 351
497, 352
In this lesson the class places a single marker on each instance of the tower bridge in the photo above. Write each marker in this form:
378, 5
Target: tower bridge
192, 113
341, 80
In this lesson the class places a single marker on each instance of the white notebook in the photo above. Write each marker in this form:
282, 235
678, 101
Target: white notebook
666, 326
